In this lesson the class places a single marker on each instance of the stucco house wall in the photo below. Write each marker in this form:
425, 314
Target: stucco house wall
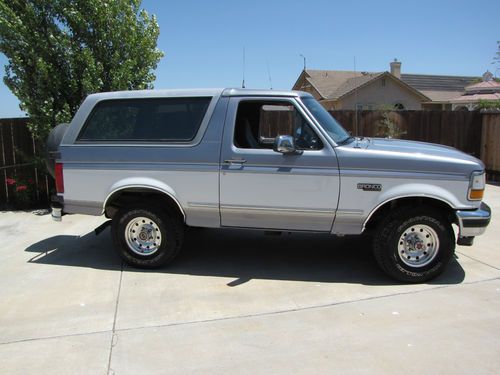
383, 91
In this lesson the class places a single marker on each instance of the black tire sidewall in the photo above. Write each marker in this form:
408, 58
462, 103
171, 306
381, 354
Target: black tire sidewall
386, 248
170, 242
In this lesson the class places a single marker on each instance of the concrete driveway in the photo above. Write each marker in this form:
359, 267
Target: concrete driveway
239, 303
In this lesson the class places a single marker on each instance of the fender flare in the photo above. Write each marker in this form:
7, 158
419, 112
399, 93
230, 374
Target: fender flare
143, 183
415, 191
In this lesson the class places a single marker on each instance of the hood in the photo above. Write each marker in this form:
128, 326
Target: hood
409, 156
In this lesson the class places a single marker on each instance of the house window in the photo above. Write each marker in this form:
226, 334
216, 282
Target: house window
359, 107
382, 82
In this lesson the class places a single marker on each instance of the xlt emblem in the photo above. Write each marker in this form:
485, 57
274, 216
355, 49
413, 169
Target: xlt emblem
369, 187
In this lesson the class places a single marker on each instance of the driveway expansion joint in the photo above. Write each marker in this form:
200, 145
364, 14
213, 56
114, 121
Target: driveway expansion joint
477, 260
114, 337
299, 309
115, 332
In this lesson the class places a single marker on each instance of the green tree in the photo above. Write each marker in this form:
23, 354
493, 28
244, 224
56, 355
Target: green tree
59, 51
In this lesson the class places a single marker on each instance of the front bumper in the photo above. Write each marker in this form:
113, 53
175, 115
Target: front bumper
473, 223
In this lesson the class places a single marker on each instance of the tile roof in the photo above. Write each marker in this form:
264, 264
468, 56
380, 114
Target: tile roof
484, 87
429, 82
487, 90
328, 82
475, 98
332, 84
441, 96
354, 82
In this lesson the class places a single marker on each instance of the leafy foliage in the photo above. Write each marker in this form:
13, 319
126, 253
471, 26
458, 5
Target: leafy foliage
488, 104
59, 51
385, 126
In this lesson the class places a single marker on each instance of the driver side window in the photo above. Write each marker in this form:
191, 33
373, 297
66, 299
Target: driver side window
258, 123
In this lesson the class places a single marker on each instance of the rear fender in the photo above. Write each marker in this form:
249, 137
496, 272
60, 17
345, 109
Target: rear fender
143, 183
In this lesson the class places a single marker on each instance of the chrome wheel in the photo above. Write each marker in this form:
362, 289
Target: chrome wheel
143, 236
418, 245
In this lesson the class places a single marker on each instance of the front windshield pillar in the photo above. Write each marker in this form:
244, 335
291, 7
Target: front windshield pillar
334, 130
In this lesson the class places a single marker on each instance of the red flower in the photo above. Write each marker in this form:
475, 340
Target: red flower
10, 181
21, 188
30, 181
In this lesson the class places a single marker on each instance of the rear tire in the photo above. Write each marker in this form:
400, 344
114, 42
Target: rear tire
146, 236
414, 245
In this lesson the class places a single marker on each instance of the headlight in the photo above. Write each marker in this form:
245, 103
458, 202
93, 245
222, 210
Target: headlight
476, 186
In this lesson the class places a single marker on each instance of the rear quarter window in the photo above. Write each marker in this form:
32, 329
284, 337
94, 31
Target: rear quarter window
145, 120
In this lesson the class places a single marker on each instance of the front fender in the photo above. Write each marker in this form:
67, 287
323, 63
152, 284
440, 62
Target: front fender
415, 190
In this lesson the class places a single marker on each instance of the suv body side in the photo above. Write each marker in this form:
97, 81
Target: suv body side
270, 190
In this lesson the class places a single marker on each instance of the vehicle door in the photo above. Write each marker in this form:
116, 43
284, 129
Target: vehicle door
262, 188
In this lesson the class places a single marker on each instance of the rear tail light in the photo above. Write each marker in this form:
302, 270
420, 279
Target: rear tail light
59, 178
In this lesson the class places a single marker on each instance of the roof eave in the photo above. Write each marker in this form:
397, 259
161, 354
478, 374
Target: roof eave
302, 74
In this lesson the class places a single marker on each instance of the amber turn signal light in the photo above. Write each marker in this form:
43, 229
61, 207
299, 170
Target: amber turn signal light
476, 195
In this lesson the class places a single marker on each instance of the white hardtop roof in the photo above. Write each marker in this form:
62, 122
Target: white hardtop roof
259, 92
192, 92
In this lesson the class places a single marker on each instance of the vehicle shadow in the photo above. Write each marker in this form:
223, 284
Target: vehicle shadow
242, 255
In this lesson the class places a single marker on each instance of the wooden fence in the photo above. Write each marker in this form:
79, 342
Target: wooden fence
23, 181
476, 133
460, 129
490, 144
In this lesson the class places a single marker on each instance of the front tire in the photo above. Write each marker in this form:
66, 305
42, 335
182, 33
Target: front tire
147, 237
414, 245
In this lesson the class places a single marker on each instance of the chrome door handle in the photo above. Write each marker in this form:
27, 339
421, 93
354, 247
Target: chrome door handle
235, 161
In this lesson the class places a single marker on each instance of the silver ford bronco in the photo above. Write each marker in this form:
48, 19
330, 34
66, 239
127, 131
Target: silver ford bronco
158, 161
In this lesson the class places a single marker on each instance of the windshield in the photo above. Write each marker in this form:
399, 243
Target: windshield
331, 126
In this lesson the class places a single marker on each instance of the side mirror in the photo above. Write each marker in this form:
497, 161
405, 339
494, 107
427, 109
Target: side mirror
285, 144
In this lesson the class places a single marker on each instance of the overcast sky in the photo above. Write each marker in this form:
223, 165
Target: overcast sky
203, 41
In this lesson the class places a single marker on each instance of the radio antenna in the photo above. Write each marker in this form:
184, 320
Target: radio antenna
243, 83
269, 75
355, 100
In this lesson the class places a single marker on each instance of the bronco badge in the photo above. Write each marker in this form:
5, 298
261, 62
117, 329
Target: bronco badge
370, 187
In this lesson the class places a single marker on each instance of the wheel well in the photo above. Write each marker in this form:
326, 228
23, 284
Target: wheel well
382, 211
134, 196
